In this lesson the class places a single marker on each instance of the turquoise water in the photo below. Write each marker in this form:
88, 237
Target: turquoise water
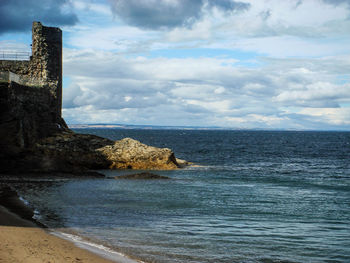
258, 197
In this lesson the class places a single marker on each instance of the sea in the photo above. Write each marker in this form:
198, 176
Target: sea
251, 197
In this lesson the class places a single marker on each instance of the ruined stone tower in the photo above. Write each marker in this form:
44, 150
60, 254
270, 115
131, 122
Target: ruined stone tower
44, 69
31, 92
46, 60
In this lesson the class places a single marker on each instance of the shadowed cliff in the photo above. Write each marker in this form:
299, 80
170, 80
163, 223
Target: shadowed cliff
35, 139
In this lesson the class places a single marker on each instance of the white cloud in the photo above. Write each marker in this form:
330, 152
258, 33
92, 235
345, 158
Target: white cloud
200, 31
90, 6
319, 94
336, 116
300, 78
290, 46
273, 17
202, 91
274, 28
118, 38
10, 46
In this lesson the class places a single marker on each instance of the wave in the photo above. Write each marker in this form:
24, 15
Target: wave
96, 248
81, 242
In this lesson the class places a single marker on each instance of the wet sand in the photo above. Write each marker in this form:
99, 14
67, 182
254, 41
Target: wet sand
22, 240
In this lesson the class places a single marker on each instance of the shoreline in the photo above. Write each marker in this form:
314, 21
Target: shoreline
24, 239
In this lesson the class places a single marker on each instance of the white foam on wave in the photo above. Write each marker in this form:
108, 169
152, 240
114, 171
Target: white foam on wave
24, 201
37, 216
98, 249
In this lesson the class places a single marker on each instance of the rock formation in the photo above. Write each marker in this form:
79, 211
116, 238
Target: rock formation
34, 136
131, 154
10, 199
93, 152
69, 151
142, 176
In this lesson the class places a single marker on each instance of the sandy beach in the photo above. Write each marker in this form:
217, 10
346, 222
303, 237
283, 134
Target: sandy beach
23, 241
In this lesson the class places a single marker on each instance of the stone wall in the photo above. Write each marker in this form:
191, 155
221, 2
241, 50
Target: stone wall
31, 93
20, 67
26, 115
44, 68
46, 60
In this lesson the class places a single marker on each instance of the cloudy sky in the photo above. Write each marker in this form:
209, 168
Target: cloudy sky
231, 63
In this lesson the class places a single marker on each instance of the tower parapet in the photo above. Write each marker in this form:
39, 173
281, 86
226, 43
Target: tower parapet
46, 60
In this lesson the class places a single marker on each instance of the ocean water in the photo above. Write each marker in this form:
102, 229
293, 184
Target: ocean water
257, 197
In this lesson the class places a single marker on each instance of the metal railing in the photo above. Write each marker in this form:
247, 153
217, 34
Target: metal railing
14, 55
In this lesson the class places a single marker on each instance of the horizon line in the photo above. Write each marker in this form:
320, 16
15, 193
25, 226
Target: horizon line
185, 127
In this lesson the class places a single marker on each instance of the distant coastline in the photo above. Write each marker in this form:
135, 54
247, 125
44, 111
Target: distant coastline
145, 127
195, 128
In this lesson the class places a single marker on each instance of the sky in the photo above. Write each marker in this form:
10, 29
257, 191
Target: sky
245, 64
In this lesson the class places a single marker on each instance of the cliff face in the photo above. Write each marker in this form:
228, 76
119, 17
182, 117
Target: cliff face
26, 115
35, 139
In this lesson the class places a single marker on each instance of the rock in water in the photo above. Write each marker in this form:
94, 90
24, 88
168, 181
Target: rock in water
141, 176
68, 150
93, 152
131, 154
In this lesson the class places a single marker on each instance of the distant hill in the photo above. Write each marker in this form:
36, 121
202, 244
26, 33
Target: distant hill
144, 127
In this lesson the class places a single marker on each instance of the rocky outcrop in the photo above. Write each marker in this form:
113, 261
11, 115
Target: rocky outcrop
68, 150
131, 154
142, 176
35, 139
10, 199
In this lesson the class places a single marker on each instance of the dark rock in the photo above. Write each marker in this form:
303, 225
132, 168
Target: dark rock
10, 199
27, 115
73, 150
142, 176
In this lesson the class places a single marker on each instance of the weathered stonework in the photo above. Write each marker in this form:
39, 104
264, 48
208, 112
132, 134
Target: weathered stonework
44, 69
26, 116
20, 67
33, 135
31, 92
46, 61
